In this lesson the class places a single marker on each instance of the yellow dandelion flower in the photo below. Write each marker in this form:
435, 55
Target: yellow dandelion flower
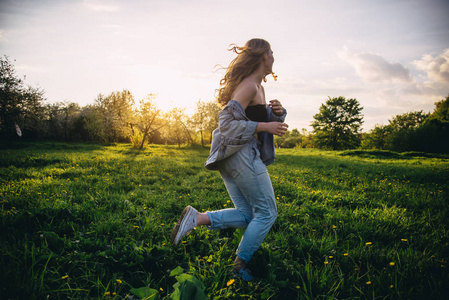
161, 289
346, 254
368, 243
65, 277
298, 287
391, 286
230, 282
392, 264
119, 281
107, 293
114, 293
368, 282
326, 262
404, 240
331, 257
184, 242
334, 227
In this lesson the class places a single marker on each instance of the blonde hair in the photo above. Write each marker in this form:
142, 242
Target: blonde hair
247, 61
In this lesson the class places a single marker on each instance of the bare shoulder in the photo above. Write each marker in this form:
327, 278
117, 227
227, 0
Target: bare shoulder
245, 92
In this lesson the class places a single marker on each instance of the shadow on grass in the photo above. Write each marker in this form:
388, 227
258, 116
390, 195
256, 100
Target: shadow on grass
385, 154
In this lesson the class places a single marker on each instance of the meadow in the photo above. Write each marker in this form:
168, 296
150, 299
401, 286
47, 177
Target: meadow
88, 221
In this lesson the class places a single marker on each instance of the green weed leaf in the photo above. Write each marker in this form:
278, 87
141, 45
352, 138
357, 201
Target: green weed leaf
177, 271
145, 293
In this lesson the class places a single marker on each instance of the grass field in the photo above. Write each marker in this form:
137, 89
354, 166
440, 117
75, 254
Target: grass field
85, 221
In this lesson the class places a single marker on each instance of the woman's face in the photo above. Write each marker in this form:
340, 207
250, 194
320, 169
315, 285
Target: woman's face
268, 61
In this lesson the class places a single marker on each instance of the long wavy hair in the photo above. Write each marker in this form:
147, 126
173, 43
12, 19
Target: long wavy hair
247, 61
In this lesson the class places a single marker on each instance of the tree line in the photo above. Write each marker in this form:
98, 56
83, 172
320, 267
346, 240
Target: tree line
337, 126
118, 117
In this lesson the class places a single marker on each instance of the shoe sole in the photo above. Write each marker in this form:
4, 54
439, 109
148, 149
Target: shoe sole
175, 238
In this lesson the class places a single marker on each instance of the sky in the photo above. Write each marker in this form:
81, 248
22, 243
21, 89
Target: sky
392, 56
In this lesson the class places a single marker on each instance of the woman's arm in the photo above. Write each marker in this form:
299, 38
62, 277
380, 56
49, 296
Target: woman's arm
276, 128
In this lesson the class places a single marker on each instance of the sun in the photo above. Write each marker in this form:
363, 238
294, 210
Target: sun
172, 87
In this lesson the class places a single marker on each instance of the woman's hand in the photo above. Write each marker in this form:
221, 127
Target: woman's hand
276, 106
276, 128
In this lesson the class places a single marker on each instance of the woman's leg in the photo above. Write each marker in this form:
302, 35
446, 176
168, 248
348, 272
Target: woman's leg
237, 217
259, 192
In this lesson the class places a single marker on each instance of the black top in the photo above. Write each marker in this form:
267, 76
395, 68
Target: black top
257, 113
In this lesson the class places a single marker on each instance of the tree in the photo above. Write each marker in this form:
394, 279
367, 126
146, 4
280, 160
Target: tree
433, 134
117, 111
401, 130
148, 119
408, 120
337, 124
377, 138
205, 118
441, 111
90, 124
19, 105
178, 131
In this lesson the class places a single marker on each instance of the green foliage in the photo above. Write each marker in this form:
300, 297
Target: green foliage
187, 287
413, 131
337, 124
145, 293
84, 221
20, 105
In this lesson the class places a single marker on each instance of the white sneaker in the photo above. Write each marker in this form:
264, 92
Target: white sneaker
186, 223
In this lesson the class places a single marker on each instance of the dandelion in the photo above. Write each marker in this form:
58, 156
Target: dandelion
326, 262
334, 227
298, 287
107, 293
184, 242
346, 254
230, 282
65, 277
161, 289
404, 240
368, 282
391, 286
392, 264
331, 257
368, 243
119, 281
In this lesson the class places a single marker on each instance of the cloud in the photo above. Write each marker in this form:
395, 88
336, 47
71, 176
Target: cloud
375, 68
436, 68
98, 6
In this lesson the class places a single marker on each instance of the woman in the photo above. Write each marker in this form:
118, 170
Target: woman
241, 149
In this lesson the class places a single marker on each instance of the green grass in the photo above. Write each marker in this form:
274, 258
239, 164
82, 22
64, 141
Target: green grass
91, 221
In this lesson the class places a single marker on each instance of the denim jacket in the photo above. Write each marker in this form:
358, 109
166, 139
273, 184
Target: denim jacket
235, 130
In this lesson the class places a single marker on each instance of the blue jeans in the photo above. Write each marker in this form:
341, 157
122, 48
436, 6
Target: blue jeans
249, 186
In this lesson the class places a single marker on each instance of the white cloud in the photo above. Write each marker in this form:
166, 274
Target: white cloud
375, 68
99, 6
436, 68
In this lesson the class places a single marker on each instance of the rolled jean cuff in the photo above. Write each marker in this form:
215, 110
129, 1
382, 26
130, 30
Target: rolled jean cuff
212, 221
226, 218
